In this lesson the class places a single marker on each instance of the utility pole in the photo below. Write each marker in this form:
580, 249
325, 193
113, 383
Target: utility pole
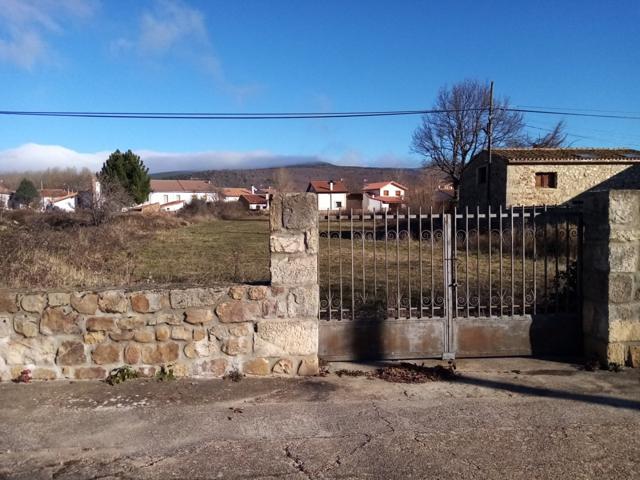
489, 137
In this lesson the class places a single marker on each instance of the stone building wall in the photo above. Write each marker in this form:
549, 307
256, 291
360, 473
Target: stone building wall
611, 308
573, 181
204, 331
473, 194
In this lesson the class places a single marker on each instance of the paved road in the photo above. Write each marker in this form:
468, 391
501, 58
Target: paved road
546, 420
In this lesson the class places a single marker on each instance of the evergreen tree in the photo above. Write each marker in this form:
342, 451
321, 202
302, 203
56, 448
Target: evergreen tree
129, 171
26, 193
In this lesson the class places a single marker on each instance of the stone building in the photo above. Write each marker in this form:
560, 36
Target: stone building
547, 176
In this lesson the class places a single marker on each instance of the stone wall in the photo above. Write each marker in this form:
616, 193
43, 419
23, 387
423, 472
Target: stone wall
573, 182
205, 331
611, 310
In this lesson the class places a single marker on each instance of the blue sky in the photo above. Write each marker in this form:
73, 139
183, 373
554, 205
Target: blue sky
256, 56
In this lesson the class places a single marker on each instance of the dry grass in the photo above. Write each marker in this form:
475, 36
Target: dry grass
56, 250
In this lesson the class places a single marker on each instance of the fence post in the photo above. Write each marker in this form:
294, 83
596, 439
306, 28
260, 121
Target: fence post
293, 245
611, 305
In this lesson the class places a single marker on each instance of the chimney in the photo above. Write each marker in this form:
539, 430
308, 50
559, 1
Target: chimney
253, 189
331, 185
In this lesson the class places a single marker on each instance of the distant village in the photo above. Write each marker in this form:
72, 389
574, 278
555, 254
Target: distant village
173, 195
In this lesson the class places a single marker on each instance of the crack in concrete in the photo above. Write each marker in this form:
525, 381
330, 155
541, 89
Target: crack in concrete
383, 418
298, 464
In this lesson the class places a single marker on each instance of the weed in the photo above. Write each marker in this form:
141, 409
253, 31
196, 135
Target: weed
121, 374
165, 374
234, 376
24, 377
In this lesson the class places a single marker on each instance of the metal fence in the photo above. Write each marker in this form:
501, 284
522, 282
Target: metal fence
464, 263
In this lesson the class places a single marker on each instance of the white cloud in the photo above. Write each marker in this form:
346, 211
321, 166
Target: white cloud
171, 28
33, 156
25, 26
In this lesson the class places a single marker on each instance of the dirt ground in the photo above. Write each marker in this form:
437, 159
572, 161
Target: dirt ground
510, 418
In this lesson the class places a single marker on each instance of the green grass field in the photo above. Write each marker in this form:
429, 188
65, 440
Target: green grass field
211, 251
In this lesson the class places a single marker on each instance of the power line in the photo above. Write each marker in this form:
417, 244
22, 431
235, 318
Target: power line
287, 115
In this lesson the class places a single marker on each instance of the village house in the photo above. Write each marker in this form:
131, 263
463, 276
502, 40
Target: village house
254, 202
172, 195
387, 195
233, 194
546, 176
5, 196
332, 195
53, 198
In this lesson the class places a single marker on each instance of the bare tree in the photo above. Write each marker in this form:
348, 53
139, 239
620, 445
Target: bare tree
451, 137
110, 200
557, 137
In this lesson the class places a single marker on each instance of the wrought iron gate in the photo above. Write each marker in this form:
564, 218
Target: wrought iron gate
438, 284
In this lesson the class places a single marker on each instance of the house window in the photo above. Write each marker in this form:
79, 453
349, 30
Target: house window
398, 193
166, 198
482, 175
546, 180
385, 193
338, 204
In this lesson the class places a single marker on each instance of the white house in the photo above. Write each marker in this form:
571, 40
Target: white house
57, 198
166, 192
233, 194
255, 202
383, 195
332, 195
5, 195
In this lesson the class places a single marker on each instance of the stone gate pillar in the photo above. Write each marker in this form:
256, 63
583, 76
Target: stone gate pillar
611, 273
294, 272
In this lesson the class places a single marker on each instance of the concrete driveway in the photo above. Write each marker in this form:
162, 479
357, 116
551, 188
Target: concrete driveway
511, 419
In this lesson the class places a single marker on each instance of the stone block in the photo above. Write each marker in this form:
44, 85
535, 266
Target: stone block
71, 352
291, 269
284, 366
624, 330
113, 301
101, 324
236, 311
623, 257
132, 354
43, 374
163, 333
58, 299
131, 322
283, 242
311, 241
275, 213
6, 326
181, 333
148, 302
237, 292
33, 350
215, 367
624, 207
634, 356
90, 373
8, 303
256, 366
620, 287
25, 324
300, 211
286, 337
92, 338
616, 353
257, 293
170, 318
86, 303
198, 315
303, 302
144, 335
240, 329
237, 345
160, 353
196, 297
33, 303
199, 334
60, 321
121, 336
309, 366
106, 353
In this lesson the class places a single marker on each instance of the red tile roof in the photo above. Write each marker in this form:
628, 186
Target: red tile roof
254, 199
5, 190
567, 155
188, 186
322, 186
235, 192
382, 199
379, 185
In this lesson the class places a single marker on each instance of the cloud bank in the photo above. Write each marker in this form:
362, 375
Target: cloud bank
33, 156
